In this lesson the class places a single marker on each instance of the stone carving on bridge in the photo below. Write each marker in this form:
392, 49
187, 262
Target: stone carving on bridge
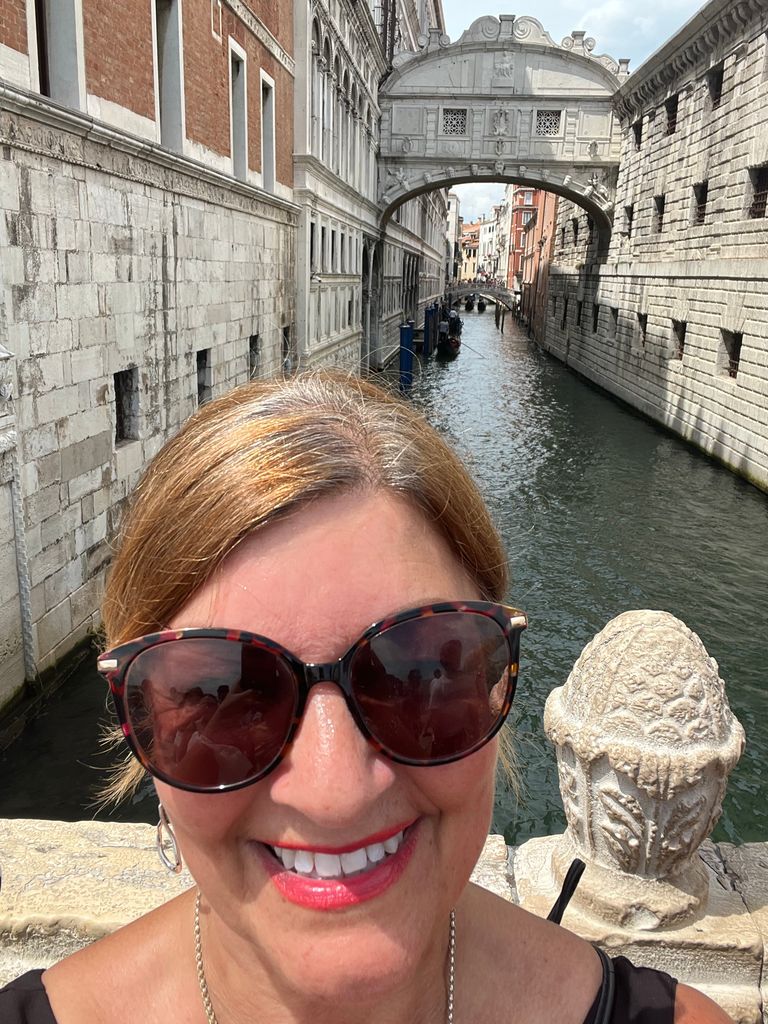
645, 743
500, 123
504, 66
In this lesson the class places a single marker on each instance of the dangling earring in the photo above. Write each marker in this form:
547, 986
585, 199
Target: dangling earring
166, 842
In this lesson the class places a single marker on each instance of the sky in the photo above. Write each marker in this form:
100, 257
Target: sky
620, 29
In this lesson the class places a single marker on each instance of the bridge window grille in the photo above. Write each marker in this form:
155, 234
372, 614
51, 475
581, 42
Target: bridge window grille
671, 106
659, 203
642, 327
548, 122
715, 84
758, 177
730, 353
454, 121
637, 131
595, 316
700, 196
679, 329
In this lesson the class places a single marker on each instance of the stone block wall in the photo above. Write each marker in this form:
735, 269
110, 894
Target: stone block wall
685, 272
115, 261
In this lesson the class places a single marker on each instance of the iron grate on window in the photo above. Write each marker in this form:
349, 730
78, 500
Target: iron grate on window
454, 121
548, 122
759, 179
700, 197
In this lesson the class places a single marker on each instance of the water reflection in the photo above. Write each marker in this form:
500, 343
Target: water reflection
602, 512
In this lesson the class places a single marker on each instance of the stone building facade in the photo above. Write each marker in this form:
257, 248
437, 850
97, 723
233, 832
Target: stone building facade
147, 253
673, 317
355, 281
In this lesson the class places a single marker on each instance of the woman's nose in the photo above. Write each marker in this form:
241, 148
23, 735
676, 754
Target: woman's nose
332, 774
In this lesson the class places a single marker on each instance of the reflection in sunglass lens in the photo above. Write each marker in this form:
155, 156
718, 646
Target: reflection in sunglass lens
209, 712
433, 688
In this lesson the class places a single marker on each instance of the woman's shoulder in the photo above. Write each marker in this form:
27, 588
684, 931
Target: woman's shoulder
25, 1001
144, 983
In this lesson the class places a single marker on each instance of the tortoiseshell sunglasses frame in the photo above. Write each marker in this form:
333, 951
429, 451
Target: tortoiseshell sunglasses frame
114, 664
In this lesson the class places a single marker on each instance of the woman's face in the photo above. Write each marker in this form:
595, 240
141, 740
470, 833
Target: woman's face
314, 583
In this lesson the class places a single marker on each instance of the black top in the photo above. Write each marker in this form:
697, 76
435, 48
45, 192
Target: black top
640, 996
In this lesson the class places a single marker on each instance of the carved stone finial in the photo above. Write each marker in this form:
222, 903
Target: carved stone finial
645, 744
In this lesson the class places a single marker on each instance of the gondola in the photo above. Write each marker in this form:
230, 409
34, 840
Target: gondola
449, 344
469, 305
481, 305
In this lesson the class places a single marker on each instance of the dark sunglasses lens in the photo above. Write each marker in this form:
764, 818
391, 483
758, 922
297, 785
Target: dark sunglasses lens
208, 712
433, 688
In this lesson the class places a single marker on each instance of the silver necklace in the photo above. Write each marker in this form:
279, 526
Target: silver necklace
210, 1016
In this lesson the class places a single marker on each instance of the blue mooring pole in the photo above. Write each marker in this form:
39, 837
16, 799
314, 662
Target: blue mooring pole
406, 356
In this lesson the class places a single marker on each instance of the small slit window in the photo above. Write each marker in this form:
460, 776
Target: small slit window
758, 180
637, 132
672, 107
254, 357
700, 197
595, 316
204, 389
127, 405
730, 353
659, 204
715, 84
679, 330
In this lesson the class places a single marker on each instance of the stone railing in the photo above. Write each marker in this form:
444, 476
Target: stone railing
645, 741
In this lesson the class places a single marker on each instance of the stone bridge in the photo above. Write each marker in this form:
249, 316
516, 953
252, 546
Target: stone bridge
502, 295
503, 103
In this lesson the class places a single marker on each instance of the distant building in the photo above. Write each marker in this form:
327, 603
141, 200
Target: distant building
470, 241
453, 239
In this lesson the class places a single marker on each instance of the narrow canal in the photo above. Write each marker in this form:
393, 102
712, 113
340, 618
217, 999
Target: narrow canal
600, 511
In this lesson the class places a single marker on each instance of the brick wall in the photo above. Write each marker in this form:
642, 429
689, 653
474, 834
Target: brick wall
107, 263
119, 59
13, 25
704, 268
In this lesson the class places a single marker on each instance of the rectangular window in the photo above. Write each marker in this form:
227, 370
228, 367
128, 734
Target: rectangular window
629, 216
637, 131
323, 249
590, 231
287, 351
758, 180
562, 237
715, 84
254, 357
127, 405
595, 316
614, 321
671, 107
267, 132
170, 79
238, 111
216, 19
59, 32
312, 252
528, 199
548, 123
575, 223
333, 252
730, 353
579, 311
659, 203
642, 327
679, 329
527, 217
700, 195
454, 121
342, 255
564, 318
349, 312
204, 389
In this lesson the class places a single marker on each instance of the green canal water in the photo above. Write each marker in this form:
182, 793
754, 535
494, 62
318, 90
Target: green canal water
600, 511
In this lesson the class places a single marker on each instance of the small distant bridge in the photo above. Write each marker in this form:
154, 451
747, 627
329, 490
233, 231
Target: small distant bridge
501, 295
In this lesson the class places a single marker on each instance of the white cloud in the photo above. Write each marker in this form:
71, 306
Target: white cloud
618, 28
478, 199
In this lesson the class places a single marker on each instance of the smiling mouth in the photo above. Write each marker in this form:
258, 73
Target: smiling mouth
313, 864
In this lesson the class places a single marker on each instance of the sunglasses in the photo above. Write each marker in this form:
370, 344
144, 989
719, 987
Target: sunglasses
212, 710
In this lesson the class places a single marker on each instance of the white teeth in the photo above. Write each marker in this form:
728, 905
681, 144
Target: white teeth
391, 845
288, 857
357, 860
304, 863
332, 865
328, 865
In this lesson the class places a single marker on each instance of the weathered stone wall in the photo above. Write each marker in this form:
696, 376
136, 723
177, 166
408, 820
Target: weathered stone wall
114, 256
686, 269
